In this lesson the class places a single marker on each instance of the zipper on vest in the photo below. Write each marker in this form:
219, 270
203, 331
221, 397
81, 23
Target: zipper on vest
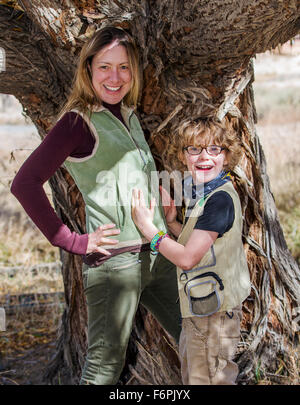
131, 137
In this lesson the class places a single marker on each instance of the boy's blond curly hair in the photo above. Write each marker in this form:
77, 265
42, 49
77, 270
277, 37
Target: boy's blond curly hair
203, 132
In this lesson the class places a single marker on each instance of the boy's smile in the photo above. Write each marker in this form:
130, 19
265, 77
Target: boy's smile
205, 167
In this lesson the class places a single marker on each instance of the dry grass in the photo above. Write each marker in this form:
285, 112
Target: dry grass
280, 141
21, 243
277, 99
22, 246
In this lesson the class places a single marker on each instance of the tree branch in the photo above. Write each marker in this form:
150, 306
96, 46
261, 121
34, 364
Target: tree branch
36, 73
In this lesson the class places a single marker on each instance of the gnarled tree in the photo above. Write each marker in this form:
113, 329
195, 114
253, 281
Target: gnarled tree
196, 61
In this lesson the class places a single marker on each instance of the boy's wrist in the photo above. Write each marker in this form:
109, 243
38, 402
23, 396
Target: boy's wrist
172, 223
174, 227
149, 230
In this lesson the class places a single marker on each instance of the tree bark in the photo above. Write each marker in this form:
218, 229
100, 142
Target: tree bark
196, 61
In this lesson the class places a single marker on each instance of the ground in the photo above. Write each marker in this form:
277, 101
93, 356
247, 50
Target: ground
26, 368
28, 345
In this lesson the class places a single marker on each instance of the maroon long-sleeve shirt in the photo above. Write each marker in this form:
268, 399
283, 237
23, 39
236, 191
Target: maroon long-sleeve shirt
67, 138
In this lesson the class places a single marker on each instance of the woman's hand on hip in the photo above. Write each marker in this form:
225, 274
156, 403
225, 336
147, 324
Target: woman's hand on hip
100, 238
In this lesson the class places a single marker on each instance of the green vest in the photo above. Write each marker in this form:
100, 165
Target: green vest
121, 160
220, 281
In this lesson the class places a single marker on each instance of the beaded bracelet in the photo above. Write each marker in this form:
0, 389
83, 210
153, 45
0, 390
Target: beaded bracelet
155, 242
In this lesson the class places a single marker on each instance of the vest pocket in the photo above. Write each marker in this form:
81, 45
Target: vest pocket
205, 294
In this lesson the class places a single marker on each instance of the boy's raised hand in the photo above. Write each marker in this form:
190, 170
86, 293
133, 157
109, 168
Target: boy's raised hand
168, 205
141, 215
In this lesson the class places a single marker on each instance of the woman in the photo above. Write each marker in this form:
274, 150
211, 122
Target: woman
99, 139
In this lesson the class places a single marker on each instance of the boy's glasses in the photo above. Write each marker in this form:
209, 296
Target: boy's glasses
212, 150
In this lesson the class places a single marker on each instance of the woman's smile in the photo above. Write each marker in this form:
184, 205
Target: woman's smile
109, 88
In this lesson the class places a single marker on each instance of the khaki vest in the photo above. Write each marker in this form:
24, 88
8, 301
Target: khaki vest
220, 281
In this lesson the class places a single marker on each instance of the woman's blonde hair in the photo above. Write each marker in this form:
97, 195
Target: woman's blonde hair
83, 95
204, 132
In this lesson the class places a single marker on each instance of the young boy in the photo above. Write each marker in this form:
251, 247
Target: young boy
212, 273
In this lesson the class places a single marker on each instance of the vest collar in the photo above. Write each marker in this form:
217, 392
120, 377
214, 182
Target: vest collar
194, 192
126, 111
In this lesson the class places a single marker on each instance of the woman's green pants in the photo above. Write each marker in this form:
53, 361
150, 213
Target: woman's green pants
113, 292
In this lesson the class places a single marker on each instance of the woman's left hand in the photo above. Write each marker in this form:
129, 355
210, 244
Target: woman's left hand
142, 216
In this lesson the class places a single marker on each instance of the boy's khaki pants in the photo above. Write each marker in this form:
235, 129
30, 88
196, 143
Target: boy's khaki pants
207, 346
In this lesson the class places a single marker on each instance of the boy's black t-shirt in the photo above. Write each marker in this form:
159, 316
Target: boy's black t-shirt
218, 214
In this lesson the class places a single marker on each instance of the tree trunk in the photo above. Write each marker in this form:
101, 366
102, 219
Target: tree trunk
196, 59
